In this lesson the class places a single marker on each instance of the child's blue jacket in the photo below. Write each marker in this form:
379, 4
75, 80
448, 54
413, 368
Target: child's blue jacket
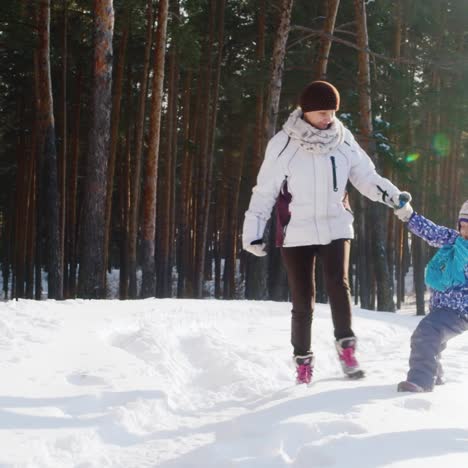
455, 298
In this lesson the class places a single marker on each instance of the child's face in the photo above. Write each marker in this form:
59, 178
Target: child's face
464, 229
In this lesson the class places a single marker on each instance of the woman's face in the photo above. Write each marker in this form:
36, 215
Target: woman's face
464, 229
320, 119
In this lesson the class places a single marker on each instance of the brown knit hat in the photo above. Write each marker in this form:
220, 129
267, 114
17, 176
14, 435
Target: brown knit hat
319, 95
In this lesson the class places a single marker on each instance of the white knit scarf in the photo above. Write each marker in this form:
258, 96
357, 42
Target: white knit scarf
313, 139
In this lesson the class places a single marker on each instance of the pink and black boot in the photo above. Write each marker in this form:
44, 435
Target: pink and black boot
346, 348
304, 368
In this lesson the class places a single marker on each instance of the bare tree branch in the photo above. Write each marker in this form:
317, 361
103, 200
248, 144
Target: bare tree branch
402, 60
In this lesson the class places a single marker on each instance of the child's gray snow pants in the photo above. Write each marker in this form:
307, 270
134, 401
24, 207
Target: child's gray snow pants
429, 340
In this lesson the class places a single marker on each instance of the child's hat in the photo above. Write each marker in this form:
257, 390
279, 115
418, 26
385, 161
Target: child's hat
463, 216
319, 95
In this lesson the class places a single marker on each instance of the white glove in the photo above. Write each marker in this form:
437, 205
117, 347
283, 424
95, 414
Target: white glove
399, 200
404, 213
256, 248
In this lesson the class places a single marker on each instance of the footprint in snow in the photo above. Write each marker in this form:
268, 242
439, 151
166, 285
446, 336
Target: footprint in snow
417, 404
82, 378
310, 452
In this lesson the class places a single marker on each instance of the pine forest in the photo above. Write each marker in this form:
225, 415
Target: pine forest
132, 133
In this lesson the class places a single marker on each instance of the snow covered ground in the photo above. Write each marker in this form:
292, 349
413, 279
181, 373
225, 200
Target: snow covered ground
185, 383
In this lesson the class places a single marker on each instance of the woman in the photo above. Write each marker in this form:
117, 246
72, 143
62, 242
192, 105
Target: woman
305, 171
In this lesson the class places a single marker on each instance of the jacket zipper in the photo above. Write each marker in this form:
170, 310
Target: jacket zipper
285, 181
335, 186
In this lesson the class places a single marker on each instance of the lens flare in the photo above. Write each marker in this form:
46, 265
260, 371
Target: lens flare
412, 157
441, 144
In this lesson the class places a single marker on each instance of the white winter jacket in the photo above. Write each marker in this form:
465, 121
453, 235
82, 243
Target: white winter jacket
317, 183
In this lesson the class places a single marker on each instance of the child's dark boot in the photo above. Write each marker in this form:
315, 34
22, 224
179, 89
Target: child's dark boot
407, 386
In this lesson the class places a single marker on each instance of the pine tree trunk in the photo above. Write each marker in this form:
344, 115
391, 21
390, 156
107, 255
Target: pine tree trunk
320, 72
202, 160
138, 155
92, 266
232, 221
114, 138
167, 186
217, 268
21, 200
398, 262
207, 144
277, 282
39, 228
257, 271
197, 115
205, 201
417, 247
32, 222
175, 80
257, 268
390, 240
418, 271
48, 157
377, 214
398, 29
124, 199
259, 142
63, 147
277, 67
364, 273
148, 288
397, 228
457, 166
223, 210
7, 261
72, 216
32, 187
183, 237
401, 261
29, 218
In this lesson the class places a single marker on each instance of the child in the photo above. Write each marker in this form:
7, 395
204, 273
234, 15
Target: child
447, 278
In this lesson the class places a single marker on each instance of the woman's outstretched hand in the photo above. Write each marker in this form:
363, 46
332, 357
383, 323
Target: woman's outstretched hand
402, 206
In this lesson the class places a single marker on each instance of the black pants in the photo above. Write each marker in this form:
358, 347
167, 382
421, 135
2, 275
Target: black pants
300, 266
